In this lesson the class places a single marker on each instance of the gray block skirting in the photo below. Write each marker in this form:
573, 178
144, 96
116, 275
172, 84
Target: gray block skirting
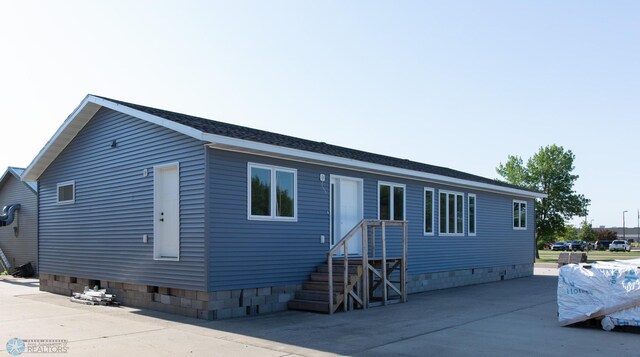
197, 304
226, 304
417, 283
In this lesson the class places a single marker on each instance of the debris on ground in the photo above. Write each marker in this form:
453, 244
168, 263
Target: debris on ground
94, 296
609, 291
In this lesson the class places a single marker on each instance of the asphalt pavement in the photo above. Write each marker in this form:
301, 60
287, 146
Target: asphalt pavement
508, 318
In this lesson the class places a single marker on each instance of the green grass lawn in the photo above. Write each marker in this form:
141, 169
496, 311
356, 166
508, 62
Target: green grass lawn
549, 256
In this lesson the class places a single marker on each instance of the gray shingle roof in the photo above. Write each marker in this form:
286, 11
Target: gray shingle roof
261, 136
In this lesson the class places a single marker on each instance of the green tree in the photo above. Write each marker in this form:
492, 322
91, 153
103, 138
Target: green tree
567, 234
549, 171
587, 233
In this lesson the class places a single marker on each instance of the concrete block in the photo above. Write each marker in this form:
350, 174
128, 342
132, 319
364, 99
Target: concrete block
163, 291
287, 297
236, 293
191, 294
199, 305
222, 314
192, 313
184, 302
239, 312
174, 300
250, 292
252, 310
264, 291
205, 314
264, 309
165, 299
202, 295
220, 295
216, 305
258, 300
278, 290
231, 303
115, 285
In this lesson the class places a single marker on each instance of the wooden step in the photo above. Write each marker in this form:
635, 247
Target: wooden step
321, 296
307, 305
322, 286
354, 269
337, 277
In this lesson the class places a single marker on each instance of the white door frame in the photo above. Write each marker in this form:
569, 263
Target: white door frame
158, 215
332, 228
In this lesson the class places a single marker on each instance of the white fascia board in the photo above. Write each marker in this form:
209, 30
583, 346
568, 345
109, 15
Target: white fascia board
78, 119
91, 104
69, 129
169, 124
227, 143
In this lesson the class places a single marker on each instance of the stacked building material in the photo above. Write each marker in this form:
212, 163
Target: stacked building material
606, 290
94, 296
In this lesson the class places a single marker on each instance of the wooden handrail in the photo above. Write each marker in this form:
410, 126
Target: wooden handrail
364, 288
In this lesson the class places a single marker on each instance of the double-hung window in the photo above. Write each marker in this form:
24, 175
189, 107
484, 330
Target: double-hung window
451, 213
391, 198
272, 193
471, 214
519, 214
429, 205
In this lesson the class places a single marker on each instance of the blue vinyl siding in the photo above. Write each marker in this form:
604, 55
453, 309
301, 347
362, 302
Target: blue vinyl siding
20, 247
100, 235
250, 253
245, 253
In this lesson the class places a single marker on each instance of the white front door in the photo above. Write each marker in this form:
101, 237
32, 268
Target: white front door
346, 211
166, 212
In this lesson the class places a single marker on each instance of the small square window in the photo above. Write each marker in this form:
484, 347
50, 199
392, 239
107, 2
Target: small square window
67, 192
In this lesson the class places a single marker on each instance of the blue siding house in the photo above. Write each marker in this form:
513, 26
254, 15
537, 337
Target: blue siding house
213, 220
18, 221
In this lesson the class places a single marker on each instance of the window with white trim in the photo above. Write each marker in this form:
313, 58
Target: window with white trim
272, 193
471, 214
66, 192
519, 214
451, 213
429, 208
391, 198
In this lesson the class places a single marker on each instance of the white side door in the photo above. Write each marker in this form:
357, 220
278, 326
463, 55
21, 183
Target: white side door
346, 211
166, 212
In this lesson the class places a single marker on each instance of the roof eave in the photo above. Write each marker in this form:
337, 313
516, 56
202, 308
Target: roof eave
78, 119
252, 147
91, 104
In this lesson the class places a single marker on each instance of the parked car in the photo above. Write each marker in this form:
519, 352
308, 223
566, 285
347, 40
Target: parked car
603, 244
577, 245
560, 246
622, 245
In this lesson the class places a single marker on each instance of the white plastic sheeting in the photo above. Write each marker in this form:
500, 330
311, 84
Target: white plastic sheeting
609, 289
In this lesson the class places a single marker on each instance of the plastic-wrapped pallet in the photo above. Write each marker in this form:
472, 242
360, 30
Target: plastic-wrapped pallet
610, 289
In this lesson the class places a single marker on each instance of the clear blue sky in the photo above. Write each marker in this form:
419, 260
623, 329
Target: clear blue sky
458, 84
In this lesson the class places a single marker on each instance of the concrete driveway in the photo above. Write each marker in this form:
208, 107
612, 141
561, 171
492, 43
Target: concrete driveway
510, 318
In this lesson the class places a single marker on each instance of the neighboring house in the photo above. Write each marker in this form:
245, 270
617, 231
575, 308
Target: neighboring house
18, 220
214, 220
